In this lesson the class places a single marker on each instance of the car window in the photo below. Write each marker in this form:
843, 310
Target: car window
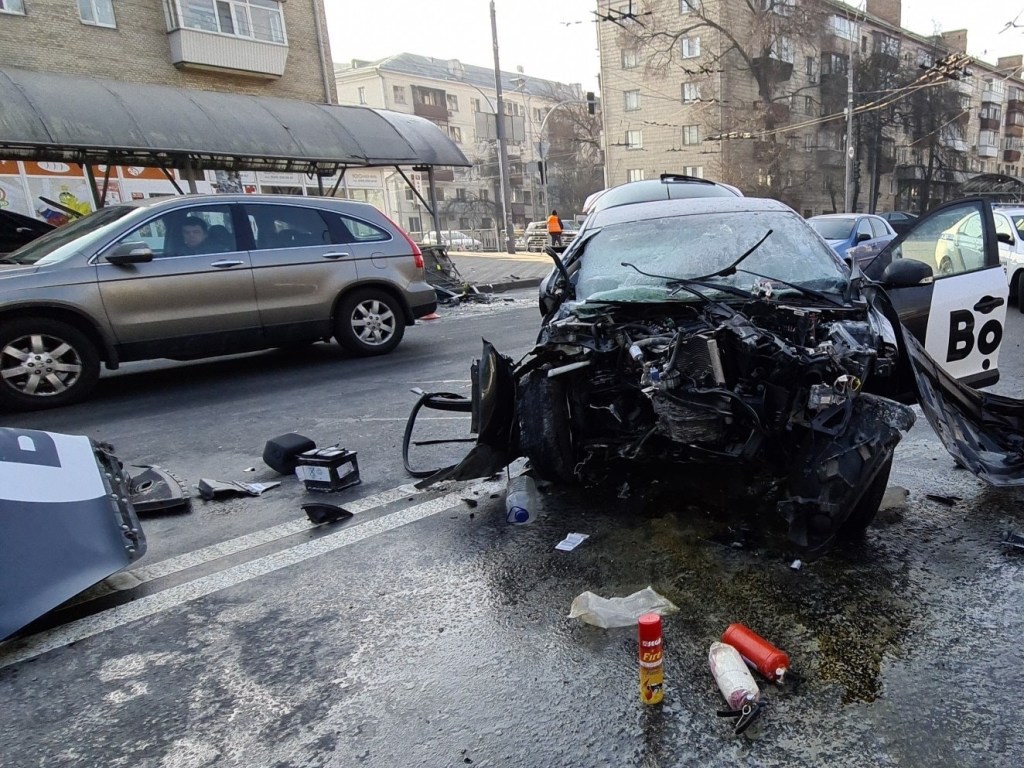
878, 228
713, 241
349, 229
286, 226
189, 231
1018, 224
950, 242
832, 229
864, 228
1003, 225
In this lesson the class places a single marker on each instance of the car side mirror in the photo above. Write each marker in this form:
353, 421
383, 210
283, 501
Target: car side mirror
863, 236
1005, 237
130, 253
905, 273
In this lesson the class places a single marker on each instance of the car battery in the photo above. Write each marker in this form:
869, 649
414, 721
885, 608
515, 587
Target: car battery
327, 469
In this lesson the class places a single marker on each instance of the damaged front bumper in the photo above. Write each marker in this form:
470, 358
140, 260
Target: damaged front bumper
66, 521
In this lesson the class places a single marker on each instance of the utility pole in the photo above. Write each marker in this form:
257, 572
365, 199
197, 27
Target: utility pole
506, 187
850, 149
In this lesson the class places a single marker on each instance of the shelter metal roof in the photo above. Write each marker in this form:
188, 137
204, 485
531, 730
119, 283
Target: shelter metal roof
48, 116
995, 185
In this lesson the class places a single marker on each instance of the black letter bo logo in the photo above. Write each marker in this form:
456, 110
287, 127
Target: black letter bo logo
961, 336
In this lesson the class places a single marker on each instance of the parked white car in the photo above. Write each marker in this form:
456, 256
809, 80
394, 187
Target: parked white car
457, 241
1010, 232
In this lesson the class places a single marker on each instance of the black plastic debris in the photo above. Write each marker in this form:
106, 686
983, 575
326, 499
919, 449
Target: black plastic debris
155, 490
319, 514
280, 453
217, 489
949, 501
326, 470
1013, 540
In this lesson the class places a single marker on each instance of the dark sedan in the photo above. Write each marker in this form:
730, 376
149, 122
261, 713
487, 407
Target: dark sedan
900, 221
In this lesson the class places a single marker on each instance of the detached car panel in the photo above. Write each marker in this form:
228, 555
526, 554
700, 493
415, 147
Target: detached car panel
66, 522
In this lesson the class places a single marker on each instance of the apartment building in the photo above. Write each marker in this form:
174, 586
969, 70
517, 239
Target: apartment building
754, 95
262, 47
460, 99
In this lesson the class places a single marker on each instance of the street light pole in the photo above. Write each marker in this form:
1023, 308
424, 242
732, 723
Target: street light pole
506, 187
850, 149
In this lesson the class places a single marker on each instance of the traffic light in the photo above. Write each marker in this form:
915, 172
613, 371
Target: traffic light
591, 103
540, 168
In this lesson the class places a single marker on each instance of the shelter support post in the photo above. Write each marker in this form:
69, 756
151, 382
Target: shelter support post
433, 201
93, 188
190, 176
170, 178
341, 175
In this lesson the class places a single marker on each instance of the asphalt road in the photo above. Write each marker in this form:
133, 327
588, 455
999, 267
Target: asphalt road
426, 631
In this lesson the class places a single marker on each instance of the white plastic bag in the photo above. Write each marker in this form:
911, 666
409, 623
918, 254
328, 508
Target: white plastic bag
607, 612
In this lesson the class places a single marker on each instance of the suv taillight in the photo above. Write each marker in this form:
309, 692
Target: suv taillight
417, 254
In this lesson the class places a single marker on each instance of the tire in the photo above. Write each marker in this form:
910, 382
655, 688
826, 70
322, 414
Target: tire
369, 322
545, 431
1019, 285
945, 266
864, 511
45, 363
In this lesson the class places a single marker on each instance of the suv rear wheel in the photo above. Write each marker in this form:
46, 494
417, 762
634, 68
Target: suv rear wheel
369, 322
45, 363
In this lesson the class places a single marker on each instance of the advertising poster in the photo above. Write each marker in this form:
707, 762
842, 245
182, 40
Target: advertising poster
12, 189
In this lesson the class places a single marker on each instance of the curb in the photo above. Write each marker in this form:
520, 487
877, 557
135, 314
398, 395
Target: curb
510, 285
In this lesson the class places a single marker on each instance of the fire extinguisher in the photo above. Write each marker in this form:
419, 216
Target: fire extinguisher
736, 684
757, 652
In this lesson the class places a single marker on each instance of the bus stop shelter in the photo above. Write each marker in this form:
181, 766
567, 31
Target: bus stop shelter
92, 121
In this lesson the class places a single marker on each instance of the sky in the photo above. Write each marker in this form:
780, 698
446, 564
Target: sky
557, 39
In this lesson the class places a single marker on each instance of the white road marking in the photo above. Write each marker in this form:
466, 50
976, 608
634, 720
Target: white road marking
36, 645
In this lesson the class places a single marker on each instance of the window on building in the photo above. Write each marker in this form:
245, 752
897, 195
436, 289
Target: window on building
808, 105
464, 222
399, 93
635, 174
12, 6
690, 47
486, 222
460, 193
691, 135
634, 139
440, 193
887, 45
508, 108
632, 100
689, 6
779, 7
256, 19
97, 12
474, 105
527, 197
409, 194
782, 49
484, 194
456, 133
843, 27
808, 142
538, 115
691, 92
630, 58
833, 64
453, 102
811, 68
415, 225
694, 170
362, 94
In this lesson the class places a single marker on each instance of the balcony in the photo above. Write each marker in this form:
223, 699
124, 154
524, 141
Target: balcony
828, 156
954, 143
989, 96
989, 123
775, 70
198, 49
1011, 155
1015, 105
988, 150
909, 172
430, 111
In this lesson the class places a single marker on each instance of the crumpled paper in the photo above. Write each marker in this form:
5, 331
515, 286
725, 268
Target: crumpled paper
608, 612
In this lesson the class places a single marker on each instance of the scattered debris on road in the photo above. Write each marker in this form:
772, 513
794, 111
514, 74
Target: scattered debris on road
1013, 540
609, 612
737, 686
319, 513
281, 452
571, 541
156, 491
218, 489
893, 498
327, 470
948, 501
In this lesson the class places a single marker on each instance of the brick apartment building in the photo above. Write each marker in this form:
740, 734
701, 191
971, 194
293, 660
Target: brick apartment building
680, 75
258, 47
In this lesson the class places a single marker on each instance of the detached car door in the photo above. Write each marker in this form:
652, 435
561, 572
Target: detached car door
959, 312
193, 298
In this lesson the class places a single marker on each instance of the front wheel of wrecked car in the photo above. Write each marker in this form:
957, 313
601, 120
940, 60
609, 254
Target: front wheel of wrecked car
45, 363
545, 432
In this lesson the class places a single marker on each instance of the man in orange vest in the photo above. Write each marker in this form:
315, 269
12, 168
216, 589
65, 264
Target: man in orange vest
555, 228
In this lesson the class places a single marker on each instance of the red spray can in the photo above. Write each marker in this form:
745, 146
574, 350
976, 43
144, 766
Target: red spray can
757, 652
652, 676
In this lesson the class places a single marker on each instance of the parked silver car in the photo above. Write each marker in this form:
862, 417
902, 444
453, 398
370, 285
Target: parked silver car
198, 276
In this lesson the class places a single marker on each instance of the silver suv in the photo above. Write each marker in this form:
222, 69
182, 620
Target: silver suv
198, 276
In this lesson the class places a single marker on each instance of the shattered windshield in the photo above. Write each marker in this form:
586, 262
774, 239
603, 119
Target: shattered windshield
694, 245
833, 229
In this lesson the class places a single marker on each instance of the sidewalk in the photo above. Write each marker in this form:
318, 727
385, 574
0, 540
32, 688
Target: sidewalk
497, 272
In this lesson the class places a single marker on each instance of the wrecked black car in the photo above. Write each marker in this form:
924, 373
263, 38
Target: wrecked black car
723, 338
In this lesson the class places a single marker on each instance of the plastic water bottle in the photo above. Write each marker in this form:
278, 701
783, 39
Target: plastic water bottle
521, 500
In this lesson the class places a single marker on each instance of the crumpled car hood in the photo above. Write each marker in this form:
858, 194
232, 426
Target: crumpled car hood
982, 431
